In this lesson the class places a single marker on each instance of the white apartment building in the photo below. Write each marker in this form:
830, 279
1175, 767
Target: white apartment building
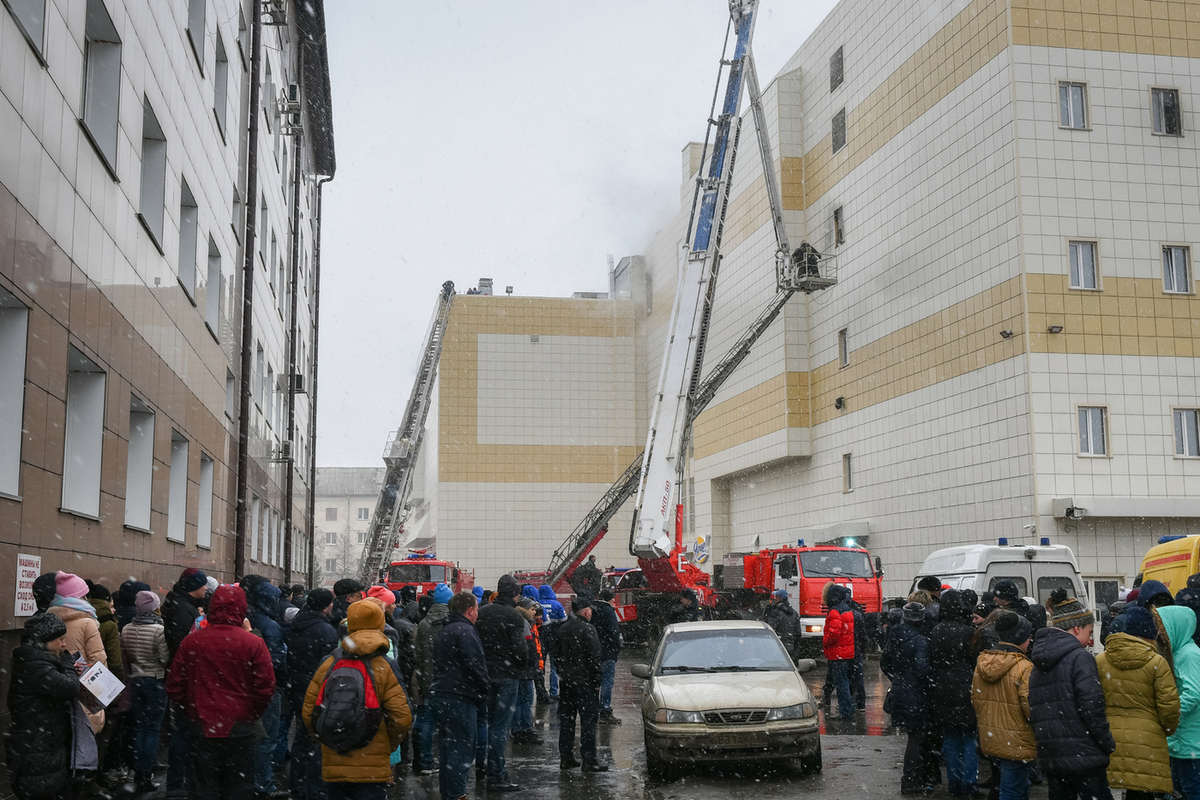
345, 503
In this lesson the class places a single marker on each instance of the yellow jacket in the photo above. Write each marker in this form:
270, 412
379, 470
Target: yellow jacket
1143, 710
1000, 696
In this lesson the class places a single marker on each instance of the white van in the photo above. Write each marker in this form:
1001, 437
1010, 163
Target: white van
1036, 569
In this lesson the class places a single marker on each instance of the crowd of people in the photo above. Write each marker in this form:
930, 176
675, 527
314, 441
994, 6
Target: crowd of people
1016, 682
341, 690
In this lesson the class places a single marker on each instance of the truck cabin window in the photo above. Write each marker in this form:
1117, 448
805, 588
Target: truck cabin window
416, 573
836, 564
787, 567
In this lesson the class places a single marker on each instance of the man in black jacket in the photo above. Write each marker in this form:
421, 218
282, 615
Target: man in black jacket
501, 629
345, 592
608, 628
578, 651
180, 609
310, 641
458, 693
1067, 708
1008, 595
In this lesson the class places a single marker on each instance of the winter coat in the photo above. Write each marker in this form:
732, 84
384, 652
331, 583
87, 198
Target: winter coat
604, 619
368, 764
905, 660
263, 598
406, 636
110, 635
1142, 706
144, 642
577, 657
1066, 702
784, 620
423, 662
501, 628
952, 665
1000, 698
83, 632
838, 638
460, 664
124, 601
1180, 624
549, 600
179, 612
310, 642
222, 675
40, 698
1190, 598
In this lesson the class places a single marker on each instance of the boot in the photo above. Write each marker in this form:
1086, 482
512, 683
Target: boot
594, 766
568, 762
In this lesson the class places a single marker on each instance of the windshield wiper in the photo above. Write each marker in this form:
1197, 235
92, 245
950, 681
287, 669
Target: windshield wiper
685, 668
734, 668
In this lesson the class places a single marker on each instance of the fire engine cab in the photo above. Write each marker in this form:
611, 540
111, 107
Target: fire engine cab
425, 570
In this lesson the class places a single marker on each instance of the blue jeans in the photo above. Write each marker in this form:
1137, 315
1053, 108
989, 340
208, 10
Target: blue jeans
423, 735
1185, 774
522, 721
1014, 779
357, 791
501, 702
177, 752
839, 678
458, 728
553, 677
962, 760
149, 705
286, 712
264, 749
608, 671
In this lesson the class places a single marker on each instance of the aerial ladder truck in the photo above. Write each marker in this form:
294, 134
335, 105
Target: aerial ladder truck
402, 450
655, 475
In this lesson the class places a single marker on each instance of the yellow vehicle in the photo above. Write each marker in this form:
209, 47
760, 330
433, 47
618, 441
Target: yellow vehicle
1171, 561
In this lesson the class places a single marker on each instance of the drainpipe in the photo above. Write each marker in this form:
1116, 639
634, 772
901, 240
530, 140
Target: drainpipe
312, 395
243, 453
289, 465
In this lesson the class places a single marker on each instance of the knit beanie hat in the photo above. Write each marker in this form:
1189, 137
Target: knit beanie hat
383, 594
914, 612
192, 579
442, 594
930, 583
347, 586
365, 615
97, 592
289, 614
319, 599
580, 602
1070, 613
146, 602
1013, 628
507, 587
69, 585
478, 592
1139, 622
212, 583
42, 628
1007, 590
44, 590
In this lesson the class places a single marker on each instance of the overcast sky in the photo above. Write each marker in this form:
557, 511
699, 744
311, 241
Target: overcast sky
520, 141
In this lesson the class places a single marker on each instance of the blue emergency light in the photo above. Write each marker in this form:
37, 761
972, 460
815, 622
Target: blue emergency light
1045, 541
1003, 541
800, 543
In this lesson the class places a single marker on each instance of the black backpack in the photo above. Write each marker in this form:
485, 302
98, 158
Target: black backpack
348, 712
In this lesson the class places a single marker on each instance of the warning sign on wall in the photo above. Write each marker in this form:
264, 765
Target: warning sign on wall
28, 568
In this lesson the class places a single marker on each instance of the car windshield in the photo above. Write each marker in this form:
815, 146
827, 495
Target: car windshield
836, 564
416, 573
723, 651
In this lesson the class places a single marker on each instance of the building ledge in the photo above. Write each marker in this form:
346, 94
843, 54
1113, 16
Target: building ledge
1124, 507
772, 449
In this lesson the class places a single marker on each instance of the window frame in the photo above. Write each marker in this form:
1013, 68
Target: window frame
1155, 90
83, 438
837, 78
847, 473
839, 226
96, 69
139, 465
844, 347
153, 181
1175, 431
329, 509
195, 19
189, 240
1105, 433
1085, 106
14, 357
38, 47
177, 498
364, 516
1096, 275
1189, 277
221, 87
207, 502
834, 132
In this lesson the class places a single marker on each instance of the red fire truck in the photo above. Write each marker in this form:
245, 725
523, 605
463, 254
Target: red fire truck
425, 570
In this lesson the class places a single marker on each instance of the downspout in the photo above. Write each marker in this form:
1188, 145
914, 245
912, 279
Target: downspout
312, 395
289, 465
243, 455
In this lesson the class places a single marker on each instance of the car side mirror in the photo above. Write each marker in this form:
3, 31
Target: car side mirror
642, 671
805, 665
878, 566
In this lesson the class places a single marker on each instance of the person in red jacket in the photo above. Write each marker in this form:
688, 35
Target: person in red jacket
839, 645
223, 678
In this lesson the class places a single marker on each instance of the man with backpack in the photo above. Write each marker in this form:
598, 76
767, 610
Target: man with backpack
357, 709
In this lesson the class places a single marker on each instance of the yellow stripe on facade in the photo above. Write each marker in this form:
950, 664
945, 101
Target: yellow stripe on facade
1148, 27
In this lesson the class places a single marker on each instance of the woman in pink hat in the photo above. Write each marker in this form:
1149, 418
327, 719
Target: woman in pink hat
83, 630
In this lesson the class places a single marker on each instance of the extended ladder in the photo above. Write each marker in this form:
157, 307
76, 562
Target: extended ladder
402, 448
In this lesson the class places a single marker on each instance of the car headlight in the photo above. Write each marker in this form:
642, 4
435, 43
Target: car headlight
800, 711
671, 715
813, 628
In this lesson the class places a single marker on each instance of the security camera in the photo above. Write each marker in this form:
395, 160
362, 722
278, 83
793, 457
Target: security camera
1076, 513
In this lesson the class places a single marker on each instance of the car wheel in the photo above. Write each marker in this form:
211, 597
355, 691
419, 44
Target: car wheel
812, 764
656, 768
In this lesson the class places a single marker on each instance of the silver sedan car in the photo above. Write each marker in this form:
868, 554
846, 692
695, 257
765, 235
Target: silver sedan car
726, 691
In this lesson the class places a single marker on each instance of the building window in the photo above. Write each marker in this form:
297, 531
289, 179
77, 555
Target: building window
205, 516
847, 474
1187, 432
1176, 269
139, 470
30, 16
269, 395
364, 513
195, 29
101, 82
839, 130
262, 228
1165, 116
362, 537
231, 398
844, 347
177, 500
1072, 112
236, 220
331, 565
83, 448
212, 289
154, 175
255, 508
1083, 265
14, 337
221, 86
836, 73
259, 376
331, 514
1092, 425
839, 229
243, 38
189, 218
